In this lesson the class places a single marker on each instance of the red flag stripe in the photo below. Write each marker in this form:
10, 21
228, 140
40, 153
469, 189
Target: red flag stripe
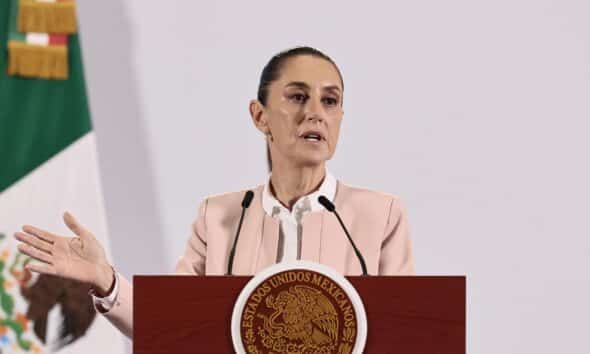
58, 39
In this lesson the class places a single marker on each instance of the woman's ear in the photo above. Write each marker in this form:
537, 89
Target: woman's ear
259, 116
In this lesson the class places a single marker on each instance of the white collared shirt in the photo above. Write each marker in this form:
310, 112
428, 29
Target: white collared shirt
290, 230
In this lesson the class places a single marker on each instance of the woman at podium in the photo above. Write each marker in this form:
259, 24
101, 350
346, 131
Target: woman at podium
299, 111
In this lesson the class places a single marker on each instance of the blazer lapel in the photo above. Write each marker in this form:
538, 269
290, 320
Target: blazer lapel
311, 236
334, 244
250, 236
269, 243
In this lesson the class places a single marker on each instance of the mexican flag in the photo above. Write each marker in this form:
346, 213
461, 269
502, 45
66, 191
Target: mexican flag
48, 165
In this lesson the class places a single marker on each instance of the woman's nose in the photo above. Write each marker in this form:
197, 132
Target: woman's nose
313, 117
313, 111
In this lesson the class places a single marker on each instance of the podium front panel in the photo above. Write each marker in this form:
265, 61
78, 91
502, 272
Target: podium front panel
192, 314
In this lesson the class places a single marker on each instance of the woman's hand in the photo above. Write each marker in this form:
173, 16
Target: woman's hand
80, 258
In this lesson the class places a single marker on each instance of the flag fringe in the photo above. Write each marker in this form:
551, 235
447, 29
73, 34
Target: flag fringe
47, 17
35, 61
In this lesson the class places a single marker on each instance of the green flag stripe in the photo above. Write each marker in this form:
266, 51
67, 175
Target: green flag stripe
12, 31
17, 36
38, 118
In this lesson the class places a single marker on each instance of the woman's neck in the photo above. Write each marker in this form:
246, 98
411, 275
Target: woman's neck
289, 183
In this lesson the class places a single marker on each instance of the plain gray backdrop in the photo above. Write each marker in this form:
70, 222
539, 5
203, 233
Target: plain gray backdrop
476, 113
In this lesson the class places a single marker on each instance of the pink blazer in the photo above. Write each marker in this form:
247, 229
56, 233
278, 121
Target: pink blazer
376, 222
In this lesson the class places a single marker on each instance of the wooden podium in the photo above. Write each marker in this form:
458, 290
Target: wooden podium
405, 315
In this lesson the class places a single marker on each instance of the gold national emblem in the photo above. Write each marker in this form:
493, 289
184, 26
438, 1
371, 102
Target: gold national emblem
298, 311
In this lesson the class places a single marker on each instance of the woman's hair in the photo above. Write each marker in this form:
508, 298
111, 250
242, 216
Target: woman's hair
272, 72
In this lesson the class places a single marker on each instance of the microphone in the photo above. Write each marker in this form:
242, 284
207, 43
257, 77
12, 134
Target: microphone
331, 208
245, 204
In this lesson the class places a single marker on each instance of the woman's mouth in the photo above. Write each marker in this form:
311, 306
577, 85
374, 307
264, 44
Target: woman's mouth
313, 137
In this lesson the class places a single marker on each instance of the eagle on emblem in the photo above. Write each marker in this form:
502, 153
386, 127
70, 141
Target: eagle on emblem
302, 314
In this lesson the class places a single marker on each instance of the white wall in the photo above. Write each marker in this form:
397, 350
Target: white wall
476, 113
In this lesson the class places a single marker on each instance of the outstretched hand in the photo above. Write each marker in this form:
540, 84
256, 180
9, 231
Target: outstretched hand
80, 258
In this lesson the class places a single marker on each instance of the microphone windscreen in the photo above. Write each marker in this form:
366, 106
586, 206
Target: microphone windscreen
247, 199
326, 203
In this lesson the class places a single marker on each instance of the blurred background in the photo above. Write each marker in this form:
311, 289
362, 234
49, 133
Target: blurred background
476, 113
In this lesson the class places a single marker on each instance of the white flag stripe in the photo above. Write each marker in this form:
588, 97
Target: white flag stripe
38, 38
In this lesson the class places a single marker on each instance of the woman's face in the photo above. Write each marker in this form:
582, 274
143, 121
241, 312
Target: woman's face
303, 112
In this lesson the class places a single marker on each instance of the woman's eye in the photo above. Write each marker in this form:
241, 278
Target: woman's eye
299, 97
330, 101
